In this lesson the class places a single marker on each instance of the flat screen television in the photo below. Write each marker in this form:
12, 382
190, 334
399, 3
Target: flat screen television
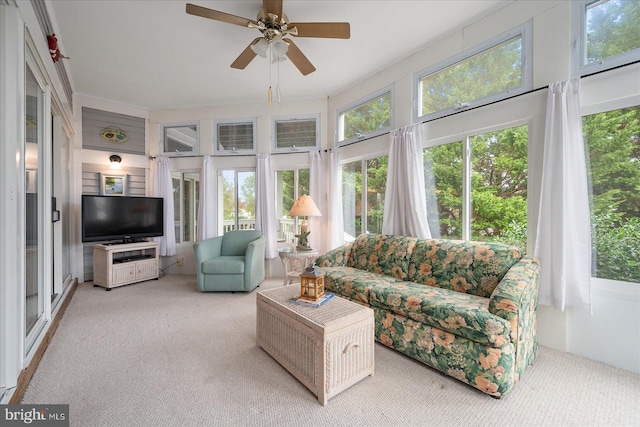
125, 218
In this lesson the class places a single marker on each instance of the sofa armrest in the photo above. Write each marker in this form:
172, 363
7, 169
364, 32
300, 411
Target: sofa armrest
337, 257
516, 300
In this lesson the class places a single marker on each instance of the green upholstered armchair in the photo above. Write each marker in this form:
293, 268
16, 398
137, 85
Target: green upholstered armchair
232, 262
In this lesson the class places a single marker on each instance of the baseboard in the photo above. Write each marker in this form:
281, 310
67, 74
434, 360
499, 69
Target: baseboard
27, 373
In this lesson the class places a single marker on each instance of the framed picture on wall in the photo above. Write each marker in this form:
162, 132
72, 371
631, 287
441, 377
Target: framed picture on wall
113, 185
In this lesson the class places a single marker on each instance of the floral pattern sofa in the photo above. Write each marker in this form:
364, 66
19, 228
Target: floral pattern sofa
467, 309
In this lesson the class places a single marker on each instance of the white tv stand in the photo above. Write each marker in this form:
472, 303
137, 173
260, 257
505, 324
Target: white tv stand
121, 264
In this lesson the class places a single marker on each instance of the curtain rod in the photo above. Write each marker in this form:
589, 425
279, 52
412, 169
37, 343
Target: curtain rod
224, 155
455, 112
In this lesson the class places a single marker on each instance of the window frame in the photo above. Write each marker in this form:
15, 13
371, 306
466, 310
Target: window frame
163, 139
179, 236
603, 286
235, 152
364, 197
525, 31
296, 187
579, 45
303, 117
358, 103
220, 199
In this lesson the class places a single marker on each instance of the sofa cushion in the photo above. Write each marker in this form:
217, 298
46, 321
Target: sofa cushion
353, 283
382, 254
471, 267
461, 314
224, 265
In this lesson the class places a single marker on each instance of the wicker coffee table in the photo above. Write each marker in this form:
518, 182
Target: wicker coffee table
328, 348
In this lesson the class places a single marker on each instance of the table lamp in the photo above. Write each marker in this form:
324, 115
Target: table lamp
304, 207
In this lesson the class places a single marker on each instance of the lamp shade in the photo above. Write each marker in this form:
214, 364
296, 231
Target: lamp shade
304, 206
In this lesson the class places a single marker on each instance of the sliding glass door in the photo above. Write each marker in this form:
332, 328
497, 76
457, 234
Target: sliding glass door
33, 211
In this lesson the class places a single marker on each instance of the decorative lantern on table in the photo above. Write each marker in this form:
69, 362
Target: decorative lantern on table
312, 284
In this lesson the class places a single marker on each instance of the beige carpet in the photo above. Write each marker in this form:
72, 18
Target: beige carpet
160, 353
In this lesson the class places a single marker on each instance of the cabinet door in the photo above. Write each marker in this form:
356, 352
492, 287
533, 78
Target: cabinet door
147, 270
124, 273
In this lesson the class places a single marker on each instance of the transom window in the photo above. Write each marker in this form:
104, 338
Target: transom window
295, 134
606, 33
235, 137
180, 139
489, 72
365, 119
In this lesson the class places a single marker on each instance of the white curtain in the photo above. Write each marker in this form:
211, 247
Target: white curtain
325, 186
207, 201
163, 187
265, 204
563, 242
405, 206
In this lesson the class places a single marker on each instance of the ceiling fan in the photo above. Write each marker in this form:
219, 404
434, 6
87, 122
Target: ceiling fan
274, 25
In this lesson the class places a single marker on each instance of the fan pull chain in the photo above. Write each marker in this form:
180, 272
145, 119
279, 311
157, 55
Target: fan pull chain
269, 92
278, 86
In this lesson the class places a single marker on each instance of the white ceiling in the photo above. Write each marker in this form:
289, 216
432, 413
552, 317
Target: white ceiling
152, 54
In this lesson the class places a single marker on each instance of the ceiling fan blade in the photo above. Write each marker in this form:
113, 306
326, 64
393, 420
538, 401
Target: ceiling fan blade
299, 60
246, 56
332, 30
193, 9
273, 6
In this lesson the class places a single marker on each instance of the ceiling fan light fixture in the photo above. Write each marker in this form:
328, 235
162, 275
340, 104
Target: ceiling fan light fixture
261, 48
278, 47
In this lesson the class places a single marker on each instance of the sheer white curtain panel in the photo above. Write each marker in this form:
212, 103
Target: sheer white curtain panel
405, 206
327, 231
207, 202
265, 207
163, 187
563, 242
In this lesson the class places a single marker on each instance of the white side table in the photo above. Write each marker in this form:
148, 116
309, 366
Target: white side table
294, 262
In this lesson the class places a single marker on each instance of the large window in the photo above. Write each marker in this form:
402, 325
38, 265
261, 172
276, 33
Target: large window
607, 33
443, 182
237, 199
482, 196
499, 186
494, 70
186, 193
365, 119
613, 145
363, 192
290, 184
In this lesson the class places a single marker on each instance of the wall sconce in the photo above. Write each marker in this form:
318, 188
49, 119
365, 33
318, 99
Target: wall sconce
115, 161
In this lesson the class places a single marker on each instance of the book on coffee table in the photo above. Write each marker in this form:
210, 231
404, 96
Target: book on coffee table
308, 303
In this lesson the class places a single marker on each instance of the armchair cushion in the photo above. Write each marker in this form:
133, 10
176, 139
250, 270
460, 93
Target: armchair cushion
224, 265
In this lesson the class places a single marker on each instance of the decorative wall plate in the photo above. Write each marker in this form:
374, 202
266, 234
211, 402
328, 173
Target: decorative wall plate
113, 135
